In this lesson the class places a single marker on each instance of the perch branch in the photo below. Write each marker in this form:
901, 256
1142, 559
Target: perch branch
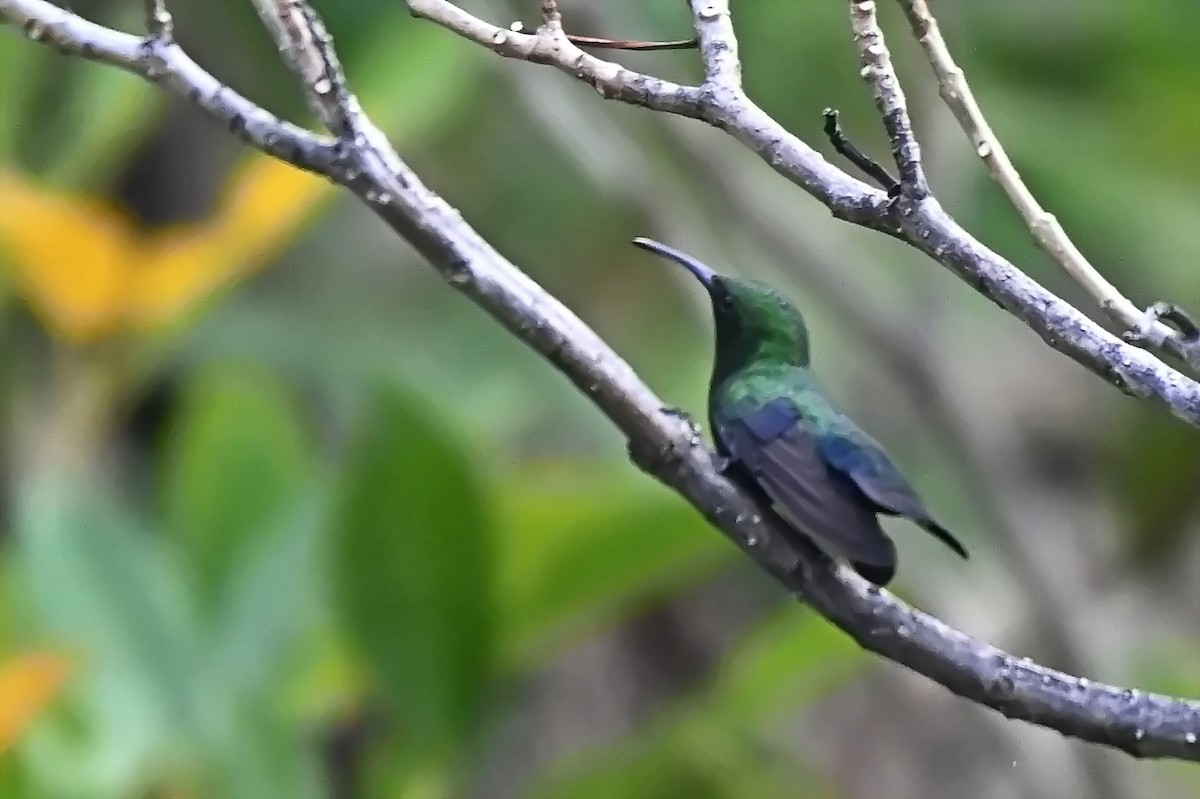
922, 224
1044, 226
1143, 724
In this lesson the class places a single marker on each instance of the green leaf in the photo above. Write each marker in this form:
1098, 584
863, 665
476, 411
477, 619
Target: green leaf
413, 570
266, 756
275, 597
14, 781
579, 545
103, 584
100, 587
236, 460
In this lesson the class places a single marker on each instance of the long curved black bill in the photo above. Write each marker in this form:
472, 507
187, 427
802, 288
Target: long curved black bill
702, 272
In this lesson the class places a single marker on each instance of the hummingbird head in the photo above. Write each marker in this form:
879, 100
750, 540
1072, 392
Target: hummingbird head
753, 320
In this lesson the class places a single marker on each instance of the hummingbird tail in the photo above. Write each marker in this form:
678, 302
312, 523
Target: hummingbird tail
946, 538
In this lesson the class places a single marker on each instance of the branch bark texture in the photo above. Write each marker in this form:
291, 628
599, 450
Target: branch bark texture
359, 158
921, 222
1043, 225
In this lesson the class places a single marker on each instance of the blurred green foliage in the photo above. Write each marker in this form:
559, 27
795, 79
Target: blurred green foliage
412, 572
326, 535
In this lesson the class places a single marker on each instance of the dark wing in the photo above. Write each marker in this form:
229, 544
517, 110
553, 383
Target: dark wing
768, 443
860, 459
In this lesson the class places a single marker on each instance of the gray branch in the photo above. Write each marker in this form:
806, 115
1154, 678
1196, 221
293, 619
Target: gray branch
1047, 231
889, 98
921, 222
1142, 724
160, 60
159, 23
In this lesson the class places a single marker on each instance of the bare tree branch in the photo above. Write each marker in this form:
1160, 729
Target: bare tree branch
1144, 330
551, 46
718, 45
848, 198
921, 223
553, 19
889, 98
1143, 724
158, 20
1044, 226
164, 62
306, 48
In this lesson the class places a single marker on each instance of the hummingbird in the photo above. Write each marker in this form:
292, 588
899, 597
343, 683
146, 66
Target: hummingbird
782, 440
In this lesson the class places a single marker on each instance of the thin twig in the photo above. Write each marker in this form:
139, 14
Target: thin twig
718, 45
845, 147
889, 98
599, 43
611, 80
308, 50
1145, 725
1144, 330
632, 44
1044, 226
926, 227
159, 24
848, 198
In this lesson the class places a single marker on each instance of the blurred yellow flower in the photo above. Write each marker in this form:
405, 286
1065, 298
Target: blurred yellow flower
27, 684
88, 272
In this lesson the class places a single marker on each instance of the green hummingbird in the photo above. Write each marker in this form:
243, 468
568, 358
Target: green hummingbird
784, 441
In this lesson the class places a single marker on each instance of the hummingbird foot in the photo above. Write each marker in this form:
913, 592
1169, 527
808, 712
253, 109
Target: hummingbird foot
687, 419
649, 458
721, 464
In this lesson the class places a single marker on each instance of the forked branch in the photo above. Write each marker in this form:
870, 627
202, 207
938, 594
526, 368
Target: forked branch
1144, 327
918, 220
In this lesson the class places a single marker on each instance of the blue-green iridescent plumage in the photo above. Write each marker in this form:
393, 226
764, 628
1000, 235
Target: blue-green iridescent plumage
785, 440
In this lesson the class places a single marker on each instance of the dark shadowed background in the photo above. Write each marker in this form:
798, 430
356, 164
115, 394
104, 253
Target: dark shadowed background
281, 515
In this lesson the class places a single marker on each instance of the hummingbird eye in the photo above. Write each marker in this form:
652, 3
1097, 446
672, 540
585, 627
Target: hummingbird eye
724, 300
